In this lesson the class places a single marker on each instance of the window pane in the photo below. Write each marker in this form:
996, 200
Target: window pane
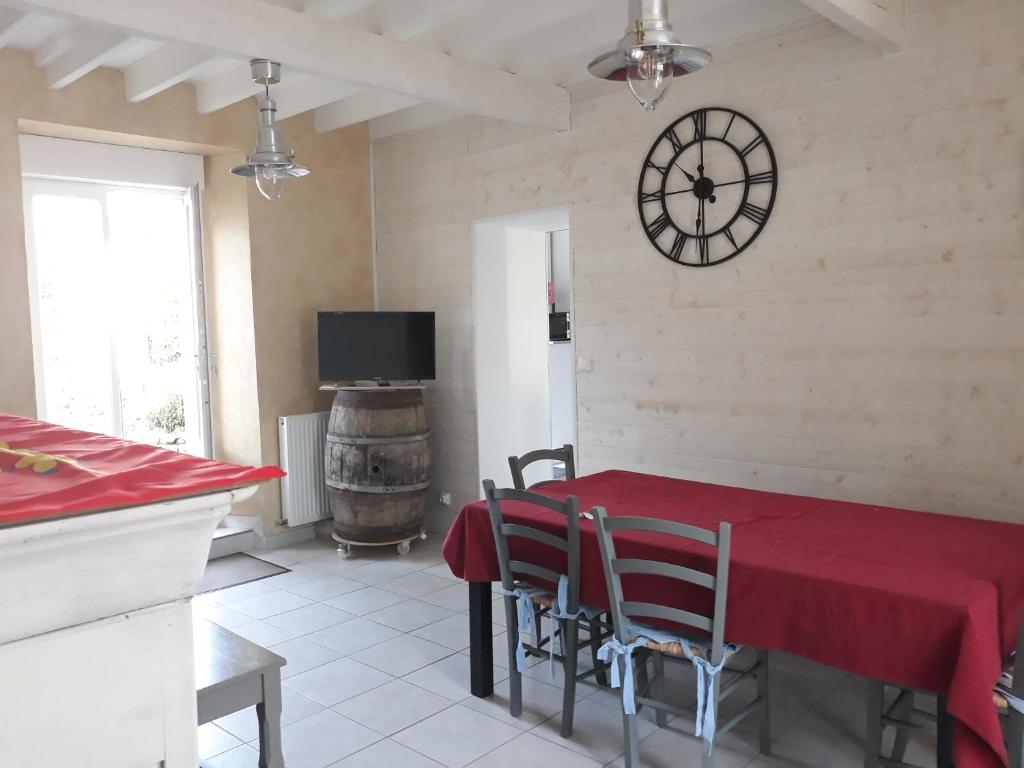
73, 307
151, 255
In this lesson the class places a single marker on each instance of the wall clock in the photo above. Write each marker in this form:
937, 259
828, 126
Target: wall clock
707, 187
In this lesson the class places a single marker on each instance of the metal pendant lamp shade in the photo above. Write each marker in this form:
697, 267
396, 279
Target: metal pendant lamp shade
272, 162
649, 55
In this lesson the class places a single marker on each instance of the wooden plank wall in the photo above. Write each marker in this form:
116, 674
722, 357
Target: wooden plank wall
870, 346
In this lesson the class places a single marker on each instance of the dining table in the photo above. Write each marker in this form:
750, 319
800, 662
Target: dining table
926, 601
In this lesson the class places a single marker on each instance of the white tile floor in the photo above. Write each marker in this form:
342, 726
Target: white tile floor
378, 676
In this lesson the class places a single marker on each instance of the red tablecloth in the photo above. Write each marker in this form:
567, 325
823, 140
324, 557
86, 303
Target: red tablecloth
926, 601
48, 471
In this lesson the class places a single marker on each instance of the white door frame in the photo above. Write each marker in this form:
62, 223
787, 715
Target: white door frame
542, 220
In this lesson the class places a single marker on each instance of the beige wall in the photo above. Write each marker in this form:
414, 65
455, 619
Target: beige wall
269, 266
870, 346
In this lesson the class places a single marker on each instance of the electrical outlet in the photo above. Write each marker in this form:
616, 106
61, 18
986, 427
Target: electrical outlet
445, 499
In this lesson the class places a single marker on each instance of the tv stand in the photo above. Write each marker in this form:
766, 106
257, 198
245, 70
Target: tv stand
377, 464
371, 386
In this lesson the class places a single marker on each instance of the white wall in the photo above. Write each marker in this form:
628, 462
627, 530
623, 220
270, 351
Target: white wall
511, 329
561, 385
867, 347
561, 266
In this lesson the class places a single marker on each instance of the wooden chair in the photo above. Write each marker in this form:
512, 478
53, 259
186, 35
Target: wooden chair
707, 653
533, 591
518, 463
904, 716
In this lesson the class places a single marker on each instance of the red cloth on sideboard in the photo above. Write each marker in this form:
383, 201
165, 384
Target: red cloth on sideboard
48, 471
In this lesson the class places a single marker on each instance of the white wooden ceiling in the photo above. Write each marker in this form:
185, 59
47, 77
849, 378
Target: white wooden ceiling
423, 62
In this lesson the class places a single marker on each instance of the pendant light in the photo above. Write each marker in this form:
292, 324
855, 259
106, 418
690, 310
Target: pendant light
272, 162
649, 55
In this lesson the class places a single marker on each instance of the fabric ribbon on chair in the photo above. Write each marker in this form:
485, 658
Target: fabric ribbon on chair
559, 612
611, 652
706, 673
524, 605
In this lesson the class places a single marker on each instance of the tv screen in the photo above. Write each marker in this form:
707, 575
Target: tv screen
393, 346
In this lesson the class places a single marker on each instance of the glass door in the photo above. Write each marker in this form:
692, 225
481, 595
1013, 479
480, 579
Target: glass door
118, 320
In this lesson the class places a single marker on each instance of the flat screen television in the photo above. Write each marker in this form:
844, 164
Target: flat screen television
381, 346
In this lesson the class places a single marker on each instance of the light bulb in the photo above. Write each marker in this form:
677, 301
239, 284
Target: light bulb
270, 183
649, 79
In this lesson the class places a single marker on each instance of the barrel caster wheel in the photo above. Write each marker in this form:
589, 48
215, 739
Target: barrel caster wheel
423, 536
344, 550
403, 548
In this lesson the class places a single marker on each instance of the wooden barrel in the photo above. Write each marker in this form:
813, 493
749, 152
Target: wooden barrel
377, 463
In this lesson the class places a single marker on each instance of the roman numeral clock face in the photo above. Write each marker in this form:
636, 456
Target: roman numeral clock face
707, 187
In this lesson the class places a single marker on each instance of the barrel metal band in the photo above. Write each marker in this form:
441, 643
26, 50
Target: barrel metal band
332, 438
378, 488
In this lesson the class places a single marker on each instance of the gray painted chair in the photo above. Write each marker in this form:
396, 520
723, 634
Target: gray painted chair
904, 716
534, 591
518, 463
707, 652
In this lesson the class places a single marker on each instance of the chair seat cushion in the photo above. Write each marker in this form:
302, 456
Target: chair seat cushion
548, 600
545, 599
671, 644
1000, 700
697, 647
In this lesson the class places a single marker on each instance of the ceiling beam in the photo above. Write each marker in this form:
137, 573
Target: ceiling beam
89, 49
363, 106
229, 87
52, 48
226, 89
335, 9
10, 21
879, 23
307, 92
411, 119
248, 28
407, 19
476, 35
165, 67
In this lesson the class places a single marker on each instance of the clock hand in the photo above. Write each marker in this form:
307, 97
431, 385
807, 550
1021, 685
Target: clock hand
691, 189
687, 175
730, 183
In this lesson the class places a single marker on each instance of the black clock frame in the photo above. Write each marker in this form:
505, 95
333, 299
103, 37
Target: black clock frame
680, 147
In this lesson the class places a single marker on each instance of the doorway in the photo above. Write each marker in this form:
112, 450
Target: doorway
118, 310
525, 382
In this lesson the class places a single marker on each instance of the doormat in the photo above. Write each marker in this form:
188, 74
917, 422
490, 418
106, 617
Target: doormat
236, 569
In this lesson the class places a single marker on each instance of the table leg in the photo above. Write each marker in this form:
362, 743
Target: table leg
268, 713
873, 738
481, 651
944, 746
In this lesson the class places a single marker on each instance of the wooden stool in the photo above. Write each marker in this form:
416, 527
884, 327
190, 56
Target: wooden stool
232, 674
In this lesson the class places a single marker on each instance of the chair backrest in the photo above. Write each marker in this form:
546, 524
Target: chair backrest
616, 567
518, 463
516, 572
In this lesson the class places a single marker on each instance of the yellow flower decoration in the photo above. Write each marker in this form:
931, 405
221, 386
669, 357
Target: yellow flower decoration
41, 463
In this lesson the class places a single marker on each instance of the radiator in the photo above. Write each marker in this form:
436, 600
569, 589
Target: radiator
303, 491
